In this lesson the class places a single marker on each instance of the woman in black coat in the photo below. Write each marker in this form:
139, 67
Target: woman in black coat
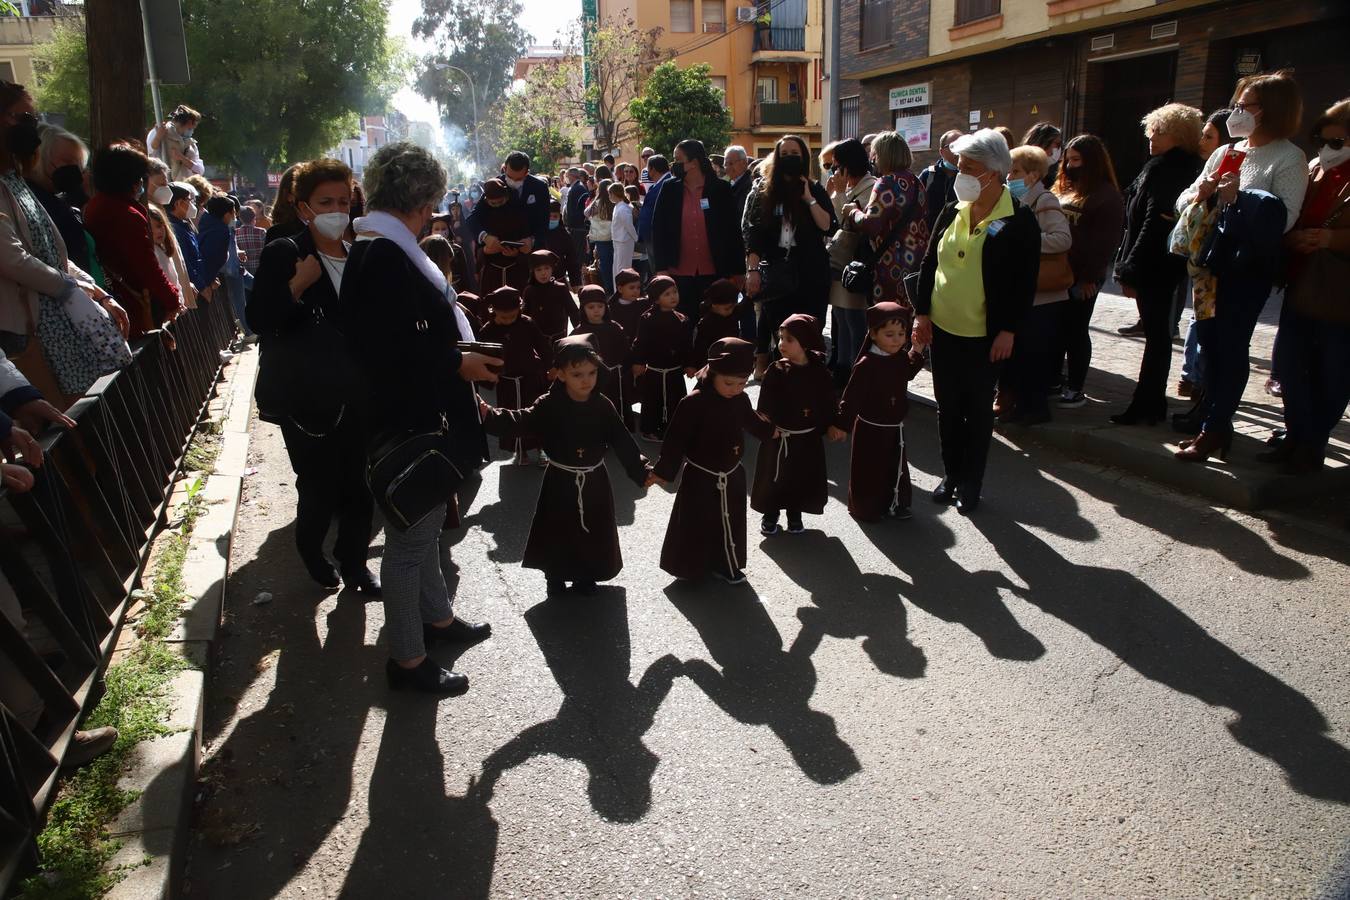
988, 248
1146, 269
296, 285
402, 325
698, 251
789, 206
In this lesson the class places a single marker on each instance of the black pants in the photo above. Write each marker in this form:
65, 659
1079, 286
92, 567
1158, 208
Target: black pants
1078, 339
1034, 366
330, 481
691, 289
1155, 313
963, 384
580, 252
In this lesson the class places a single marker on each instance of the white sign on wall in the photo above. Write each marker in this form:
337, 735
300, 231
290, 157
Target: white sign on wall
909, 95
916, 130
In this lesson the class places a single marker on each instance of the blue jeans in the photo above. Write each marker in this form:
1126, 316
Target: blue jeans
604, 258
1193, 361
849, 327
235, 286
1226, 342
1313, 358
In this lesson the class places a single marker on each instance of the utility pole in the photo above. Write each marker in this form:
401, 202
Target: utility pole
116, 39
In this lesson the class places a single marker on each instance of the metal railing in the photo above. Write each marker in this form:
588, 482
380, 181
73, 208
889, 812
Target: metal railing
789, 113
780, 38
73, 547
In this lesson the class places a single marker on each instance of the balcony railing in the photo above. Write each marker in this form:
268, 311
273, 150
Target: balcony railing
74, 546
780, 39
780, 114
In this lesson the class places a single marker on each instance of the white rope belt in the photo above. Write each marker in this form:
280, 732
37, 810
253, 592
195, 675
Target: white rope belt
900, 467
520, 401
665, 396
783, 448
579, 474
728, 542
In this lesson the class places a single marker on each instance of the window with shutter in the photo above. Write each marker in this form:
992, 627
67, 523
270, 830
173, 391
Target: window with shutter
876, 23
682, 15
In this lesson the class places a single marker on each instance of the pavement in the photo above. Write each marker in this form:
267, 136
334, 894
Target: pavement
1095, 687
1240, 481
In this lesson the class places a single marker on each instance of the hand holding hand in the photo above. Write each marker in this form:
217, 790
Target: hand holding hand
836, 434
1129, 291
639, 370
35, 415
1002, 348
653, 478
922, 335
21, 443
690, 371
475, 367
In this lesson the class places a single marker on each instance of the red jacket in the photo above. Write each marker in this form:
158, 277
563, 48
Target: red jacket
121, 230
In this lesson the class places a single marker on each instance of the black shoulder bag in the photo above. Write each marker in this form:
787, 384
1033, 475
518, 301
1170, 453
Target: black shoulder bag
859, 276
410, 473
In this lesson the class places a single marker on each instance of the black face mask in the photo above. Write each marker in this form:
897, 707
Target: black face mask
22, 138
791, 166
1073, 172
68, 180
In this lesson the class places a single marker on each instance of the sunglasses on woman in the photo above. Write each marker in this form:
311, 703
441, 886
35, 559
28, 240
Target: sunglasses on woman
1334, 143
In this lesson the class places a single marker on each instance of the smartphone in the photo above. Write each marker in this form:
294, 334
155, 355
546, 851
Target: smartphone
1231, 162
514, 245
487, 349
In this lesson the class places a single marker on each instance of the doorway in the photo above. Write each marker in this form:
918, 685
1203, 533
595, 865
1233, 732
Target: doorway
1130, 89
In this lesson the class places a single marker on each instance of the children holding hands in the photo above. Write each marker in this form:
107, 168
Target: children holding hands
873, 411
525, 355
616, 378
573, 536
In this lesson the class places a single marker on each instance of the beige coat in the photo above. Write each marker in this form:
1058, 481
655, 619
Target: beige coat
23, 276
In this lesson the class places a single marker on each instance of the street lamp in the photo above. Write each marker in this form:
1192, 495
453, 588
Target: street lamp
473, 98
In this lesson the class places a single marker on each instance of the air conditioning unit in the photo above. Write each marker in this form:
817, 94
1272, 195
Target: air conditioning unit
1163, 30
1103, 42
745, 14
714, 27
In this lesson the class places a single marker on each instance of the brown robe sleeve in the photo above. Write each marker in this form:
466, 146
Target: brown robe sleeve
678, 435
751, 421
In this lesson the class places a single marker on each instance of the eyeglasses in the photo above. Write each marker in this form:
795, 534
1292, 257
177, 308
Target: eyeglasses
1334, 143
1246, 107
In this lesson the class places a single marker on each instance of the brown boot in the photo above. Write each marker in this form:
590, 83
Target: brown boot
1207, 444
88, 746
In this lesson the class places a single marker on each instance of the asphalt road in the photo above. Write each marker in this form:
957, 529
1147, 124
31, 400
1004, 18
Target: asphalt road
1093, 688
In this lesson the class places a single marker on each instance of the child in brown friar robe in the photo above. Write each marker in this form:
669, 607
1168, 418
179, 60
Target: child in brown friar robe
573, 536
616, 378
718, 320
475, 309
507, 221
525, 356
549, 301
560, 242
798, 397
707, 439
627, 304
873, 411
660, 351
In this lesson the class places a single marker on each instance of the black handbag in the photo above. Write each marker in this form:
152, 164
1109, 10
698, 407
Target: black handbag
777, 279
306, 371
411, 473
859, 276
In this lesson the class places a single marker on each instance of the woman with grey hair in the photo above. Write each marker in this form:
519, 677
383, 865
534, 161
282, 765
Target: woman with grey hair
402, 322
976, 284
57, 180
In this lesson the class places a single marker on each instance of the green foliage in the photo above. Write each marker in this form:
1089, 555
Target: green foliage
533, 120
679, 104
281, 82
618, 56
482, 37
61, 76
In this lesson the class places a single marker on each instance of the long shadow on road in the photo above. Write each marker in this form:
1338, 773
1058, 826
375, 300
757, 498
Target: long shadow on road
757, 682
603, 716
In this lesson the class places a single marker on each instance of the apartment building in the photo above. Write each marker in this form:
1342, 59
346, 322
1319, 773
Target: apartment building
927, 66
772, 82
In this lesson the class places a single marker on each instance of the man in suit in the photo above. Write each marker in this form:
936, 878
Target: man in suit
574, 212
660, 172
742, 180
523, 218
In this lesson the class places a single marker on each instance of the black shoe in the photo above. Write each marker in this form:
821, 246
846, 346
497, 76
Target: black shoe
364, 581
1133, 416
901, 513
944, 493
586, 588
768, 526
794, 524
967, 501
736, 577
428, 677
322, 571
1135, 330
553, 587
1281, 452
457, 632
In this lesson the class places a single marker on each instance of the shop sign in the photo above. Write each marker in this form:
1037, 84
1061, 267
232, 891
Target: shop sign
909, 96
1248, 62
916, 130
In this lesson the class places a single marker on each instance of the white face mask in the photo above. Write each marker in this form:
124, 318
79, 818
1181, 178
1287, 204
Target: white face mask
1330, 159
1055, 155
163, 195
1241, 123
967, 187
331, 225
192, 211
515, 185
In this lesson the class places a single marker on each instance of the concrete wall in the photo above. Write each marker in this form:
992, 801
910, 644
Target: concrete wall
19, 37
